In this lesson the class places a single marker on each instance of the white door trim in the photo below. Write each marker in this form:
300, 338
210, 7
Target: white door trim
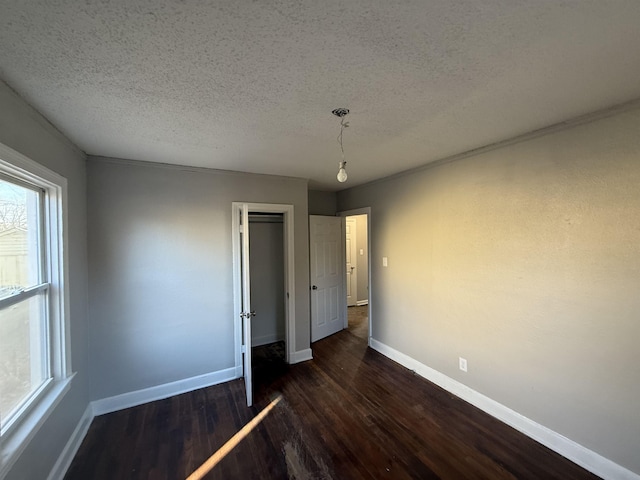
289, 276
352, 276
246, 305
347, 213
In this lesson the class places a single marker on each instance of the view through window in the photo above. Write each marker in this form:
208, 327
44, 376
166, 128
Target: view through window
24, 349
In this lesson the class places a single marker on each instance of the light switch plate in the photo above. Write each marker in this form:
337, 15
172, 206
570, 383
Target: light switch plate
384, 261
462, 363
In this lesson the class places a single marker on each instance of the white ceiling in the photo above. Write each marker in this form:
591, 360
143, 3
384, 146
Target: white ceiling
250, 85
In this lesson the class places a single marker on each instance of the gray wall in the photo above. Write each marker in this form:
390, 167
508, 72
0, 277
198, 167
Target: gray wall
26, 131
322, 203
525, 260
267, 281
161, 282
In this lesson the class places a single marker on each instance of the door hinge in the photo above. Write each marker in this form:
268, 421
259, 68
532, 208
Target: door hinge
244, 349
241, 229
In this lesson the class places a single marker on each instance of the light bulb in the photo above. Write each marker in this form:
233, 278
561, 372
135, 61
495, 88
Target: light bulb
342, 175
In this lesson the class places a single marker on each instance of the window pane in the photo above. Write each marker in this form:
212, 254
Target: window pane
22, 353
19, 238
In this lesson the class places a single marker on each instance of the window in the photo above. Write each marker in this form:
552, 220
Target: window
34, 358
24, 286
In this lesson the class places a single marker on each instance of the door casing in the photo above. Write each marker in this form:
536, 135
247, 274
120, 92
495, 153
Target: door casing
344, 214
289, 274
351, 261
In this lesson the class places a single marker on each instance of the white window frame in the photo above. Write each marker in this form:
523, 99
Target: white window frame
16, 435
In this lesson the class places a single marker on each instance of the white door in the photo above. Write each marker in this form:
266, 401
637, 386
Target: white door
327, 317
246, 312
351, 256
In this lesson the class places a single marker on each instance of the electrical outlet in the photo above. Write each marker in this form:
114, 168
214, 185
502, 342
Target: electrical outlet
462, 363
384, 261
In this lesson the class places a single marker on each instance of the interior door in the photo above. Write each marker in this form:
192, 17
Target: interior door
351, 257
326, 267
246, 313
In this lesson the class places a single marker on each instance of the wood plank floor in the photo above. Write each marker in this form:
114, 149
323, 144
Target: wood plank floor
348, 414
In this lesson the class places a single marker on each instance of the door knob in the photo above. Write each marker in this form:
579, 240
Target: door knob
314, 288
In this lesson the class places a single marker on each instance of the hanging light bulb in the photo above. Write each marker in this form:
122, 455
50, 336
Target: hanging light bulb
342, 172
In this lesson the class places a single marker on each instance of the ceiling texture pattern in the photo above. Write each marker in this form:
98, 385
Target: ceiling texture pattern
250, 85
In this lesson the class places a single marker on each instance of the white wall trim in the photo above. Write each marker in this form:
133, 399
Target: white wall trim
132, 399
13, 445
360, 211
300, 356
289, 272
267, 339
21, 428
575, 452
69, 451
159, 392
361, 303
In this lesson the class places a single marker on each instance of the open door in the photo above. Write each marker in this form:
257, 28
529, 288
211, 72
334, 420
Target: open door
243, 312
246, 314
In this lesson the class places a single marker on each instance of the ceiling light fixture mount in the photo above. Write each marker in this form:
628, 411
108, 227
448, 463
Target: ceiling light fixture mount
341, 113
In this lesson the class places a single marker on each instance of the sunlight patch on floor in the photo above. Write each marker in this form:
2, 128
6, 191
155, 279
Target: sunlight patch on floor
222, 452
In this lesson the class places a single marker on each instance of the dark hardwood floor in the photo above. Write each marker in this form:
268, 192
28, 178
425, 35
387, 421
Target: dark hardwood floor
348, 414
358, 320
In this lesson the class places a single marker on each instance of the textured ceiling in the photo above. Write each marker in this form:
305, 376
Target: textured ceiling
250, 85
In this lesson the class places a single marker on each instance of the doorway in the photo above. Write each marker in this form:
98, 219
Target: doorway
357, 272
248, 327
268, 294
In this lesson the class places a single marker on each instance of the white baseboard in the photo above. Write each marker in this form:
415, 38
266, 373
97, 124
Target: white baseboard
575, 452
300, 356
159, 392
132, 399
69, 451
360, 303
266, 339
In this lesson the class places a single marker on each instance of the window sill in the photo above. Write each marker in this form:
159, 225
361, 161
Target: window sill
16, 441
